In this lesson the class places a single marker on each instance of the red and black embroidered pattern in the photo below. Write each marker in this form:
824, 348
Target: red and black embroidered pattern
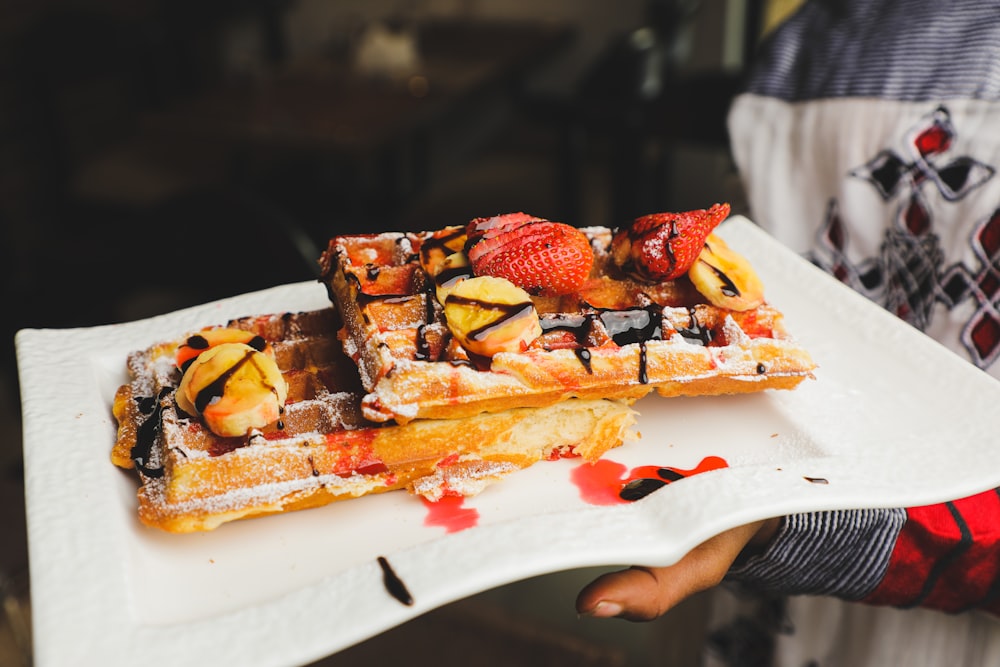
981, 333
909, 276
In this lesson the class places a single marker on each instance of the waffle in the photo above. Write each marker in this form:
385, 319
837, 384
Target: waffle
615, 338
323, 449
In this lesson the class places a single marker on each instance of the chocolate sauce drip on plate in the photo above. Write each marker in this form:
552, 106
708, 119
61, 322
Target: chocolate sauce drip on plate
669, 475
638, 489
393, 583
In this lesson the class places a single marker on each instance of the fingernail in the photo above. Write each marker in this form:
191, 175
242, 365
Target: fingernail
605, 609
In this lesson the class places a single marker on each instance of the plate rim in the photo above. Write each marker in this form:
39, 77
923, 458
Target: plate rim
65, 585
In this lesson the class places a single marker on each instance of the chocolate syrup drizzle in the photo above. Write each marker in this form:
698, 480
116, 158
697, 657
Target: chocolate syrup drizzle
636, 325
217, 387
728, 287
632, 325
668, 248
439, 243
579, 325
695, 332
629, 326
507, 312
423, 346
148, 432
199, 342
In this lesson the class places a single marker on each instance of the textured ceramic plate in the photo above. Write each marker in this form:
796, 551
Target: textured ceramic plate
891, 419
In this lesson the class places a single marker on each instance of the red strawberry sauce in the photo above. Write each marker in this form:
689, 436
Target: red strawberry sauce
601, 483
450, 513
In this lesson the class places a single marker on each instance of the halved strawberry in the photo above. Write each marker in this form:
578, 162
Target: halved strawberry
539, 256
663, 246
481, 233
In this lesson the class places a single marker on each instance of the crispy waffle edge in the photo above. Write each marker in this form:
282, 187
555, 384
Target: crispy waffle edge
192, 481
402, 387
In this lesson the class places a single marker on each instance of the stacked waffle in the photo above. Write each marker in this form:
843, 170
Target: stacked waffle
321, 448
442, 367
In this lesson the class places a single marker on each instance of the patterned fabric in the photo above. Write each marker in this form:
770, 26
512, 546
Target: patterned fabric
909, 275
907, 212
869, 141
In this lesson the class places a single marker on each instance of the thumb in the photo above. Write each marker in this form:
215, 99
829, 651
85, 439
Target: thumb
644, 593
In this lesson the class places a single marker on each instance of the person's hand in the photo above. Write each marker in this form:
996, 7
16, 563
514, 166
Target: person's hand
644, 593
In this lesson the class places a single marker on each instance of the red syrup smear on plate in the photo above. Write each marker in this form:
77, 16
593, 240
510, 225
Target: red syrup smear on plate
608, 482
450, 513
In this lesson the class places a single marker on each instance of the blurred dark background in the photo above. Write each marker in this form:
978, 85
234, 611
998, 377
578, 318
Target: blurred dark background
158, 154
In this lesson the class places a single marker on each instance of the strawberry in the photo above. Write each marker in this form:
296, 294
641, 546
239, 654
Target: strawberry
481, 233
663, 246
539, 256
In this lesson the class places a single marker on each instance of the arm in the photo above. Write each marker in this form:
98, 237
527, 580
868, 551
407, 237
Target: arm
944, 556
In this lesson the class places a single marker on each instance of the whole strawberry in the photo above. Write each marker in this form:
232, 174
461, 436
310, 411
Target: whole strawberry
663, 246
539, 256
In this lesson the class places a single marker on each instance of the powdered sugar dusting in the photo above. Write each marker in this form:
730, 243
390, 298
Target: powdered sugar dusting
467, 478
594, 342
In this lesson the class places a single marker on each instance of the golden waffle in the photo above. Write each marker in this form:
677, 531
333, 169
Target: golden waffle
322, 449
615, 338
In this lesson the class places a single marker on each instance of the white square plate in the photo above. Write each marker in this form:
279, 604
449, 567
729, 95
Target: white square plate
892, 419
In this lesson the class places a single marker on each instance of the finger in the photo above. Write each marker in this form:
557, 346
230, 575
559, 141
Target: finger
644, 593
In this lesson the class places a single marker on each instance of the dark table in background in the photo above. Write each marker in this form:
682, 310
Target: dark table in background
377, 140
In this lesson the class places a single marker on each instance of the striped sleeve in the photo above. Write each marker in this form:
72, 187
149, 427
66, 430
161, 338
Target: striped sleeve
914, 50
944, 556
843, 554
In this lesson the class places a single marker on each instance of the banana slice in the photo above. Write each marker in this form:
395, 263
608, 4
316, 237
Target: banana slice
203, 340
725, 277
234, 388
453, 269
489, 315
